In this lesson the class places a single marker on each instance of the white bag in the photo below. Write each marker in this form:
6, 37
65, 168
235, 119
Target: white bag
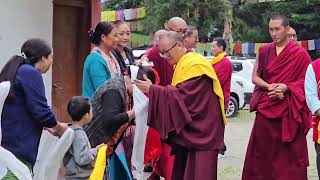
4, 91
50, 154
9, 161
141, 102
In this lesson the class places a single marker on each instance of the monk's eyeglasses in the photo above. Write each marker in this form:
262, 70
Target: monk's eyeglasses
166, 53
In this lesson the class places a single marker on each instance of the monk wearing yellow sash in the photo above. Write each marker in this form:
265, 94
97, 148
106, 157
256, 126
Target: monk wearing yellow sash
189, 113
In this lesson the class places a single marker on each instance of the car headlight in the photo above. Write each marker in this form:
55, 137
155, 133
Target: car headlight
240, 83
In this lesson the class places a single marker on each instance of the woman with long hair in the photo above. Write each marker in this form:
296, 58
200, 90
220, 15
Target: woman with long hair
26, 112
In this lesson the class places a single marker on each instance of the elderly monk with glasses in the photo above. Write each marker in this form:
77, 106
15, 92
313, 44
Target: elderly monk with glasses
188, 113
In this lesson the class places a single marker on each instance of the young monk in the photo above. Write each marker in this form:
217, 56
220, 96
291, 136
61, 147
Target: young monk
277, 148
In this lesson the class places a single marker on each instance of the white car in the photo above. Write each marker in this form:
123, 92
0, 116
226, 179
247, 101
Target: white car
243, 71
236, 97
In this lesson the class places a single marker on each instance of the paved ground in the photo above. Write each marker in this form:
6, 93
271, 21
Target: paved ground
236, 137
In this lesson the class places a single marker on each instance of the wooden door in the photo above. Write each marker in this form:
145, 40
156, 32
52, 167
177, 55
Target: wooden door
71, 22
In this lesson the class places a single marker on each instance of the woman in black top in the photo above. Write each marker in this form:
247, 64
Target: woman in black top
123, 53
110, 113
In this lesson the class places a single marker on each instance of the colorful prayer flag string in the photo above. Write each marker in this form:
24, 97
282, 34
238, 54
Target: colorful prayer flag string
126, 14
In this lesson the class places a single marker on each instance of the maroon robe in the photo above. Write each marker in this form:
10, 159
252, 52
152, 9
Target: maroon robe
224, 73
277, 147
164, 69
189, 118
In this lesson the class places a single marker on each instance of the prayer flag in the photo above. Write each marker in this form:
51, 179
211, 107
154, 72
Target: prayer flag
251, 48
109, 16
127, 14
120, 15
256, 47
311, 45
317, 43
237, 48
245, 48
141, 12
304, 44
134, 13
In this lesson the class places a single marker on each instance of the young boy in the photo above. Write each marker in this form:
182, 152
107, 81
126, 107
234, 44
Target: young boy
79, 159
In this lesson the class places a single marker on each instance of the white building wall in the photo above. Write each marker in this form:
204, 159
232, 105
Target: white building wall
21, 20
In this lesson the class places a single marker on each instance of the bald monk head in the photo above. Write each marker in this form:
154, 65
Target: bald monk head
176, 24
292, 34
158, 35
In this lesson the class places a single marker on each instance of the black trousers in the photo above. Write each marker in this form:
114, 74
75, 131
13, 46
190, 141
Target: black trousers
222, 151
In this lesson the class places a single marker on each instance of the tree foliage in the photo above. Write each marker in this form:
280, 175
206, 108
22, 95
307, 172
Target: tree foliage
207, 15
249, 20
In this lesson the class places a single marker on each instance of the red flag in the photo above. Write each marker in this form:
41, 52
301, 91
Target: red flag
237, 48
304, 44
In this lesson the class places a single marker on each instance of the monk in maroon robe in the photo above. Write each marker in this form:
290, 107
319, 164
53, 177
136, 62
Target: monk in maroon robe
277, 147
165, 69
223, 67
188, 115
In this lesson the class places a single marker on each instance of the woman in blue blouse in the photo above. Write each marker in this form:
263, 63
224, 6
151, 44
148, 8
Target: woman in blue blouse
100, 64
25, 111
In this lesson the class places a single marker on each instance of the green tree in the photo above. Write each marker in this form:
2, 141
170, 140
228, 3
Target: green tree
207, 15
250, 20
303, 16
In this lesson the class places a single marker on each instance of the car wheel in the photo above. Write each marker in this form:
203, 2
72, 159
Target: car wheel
233, 107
